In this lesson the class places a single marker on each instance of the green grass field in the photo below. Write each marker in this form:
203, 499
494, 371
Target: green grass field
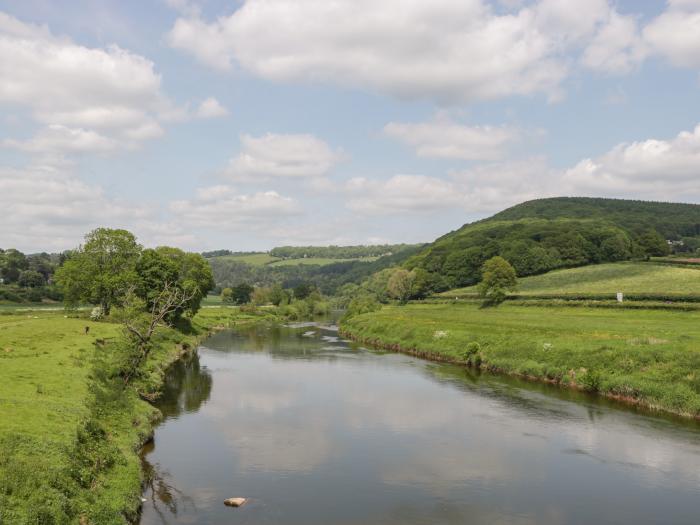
254, 259
626, 277
264, 259
69, 436
320, 261
647, 356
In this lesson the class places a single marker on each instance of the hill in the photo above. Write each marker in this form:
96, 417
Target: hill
547, 234
627, 277
327, 273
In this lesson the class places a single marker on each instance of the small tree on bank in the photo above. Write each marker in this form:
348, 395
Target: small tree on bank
498, 279
400, 285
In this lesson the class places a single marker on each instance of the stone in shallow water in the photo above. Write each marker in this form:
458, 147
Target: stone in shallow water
235, 502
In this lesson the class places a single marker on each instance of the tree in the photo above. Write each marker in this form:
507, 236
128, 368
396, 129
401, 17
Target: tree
400, 285
240, 294
141, 322
194, 276
277, 295
303, 290
102, 270
653, 243
226, 295
12, 262
498, 278
31, 279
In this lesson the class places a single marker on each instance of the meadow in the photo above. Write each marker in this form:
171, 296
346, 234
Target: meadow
627, 277
70, 432
646, 357
319, 261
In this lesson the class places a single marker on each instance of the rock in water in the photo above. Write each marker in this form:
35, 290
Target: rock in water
235, 502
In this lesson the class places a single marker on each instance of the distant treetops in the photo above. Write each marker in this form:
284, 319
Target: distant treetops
110, 265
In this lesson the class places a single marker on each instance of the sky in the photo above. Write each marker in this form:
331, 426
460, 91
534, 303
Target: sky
249, 124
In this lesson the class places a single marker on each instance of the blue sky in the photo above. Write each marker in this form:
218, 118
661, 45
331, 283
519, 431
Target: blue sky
250, 124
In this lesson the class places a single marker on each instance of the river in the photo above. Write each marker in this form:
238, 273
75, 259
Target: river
315, 430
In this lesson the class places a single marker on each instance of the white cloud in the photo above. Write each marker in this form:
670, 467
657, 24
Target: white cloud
675, 34
52, 210
211, 108
402, 194
442, 49
56, 139
617, 47
290, 156
110, 91
222, 208
492, 187
657, 169
442, 138
448, 50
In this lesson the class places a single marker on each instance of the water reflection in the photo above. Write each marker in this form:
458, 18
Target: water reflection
187, 387
315, 430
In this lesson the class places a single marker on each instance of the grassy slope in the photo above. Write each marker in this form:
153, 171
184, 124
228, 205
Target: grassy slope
255, 259
48, 393
646, 356
627, 277
320, 261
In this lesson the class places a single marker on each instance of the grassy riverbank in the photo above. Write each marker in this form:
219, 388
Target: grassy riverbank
646, 357
70, 433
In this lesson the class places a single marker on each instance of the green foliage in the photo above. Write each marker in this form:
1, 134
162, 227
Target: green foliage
328, 276
241, 294
653, 244
362, 304
498, 279
400, 285
542, 235
102, 270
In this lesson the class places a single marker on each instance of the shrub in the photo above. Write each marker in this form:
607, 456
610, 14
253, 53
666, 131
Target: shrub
590, 380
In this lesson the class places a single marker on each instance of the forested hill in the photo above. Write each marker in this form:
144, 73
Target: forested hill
541, 235
672, 220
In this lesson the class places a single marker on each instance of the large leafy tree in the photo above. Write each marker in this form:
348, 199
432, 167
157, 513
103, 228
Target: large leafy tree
498, 278
102, 270
194, 276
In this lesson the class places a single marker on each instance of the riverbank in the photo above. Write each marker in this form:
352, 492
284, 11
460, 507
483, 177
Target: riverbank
648, 358
71, 432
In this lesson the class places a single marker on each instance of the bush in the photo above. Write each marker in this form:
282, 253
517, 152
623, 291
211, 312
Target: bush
590, 380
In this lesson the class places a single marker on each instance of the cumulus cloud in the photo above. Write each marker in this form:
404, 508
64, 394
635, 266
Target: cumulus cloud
617, 47
655, 169
51, 210
285, 156
79, 90
442, 49
211, 108
56, 139
442, 138
675, 34
223, 208
402, 194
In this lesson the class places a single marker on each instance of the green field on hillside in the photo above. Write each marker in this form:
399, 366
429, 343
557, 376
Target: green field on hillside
626, 277
319, 261
254, 259
646, 356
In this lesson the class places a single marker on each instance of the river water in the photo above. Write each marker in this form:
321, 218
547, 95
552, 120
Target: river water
315, 430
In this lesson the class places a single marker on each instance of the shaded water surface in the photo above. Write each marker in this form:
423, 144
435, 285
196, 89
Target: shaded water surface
318, 431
